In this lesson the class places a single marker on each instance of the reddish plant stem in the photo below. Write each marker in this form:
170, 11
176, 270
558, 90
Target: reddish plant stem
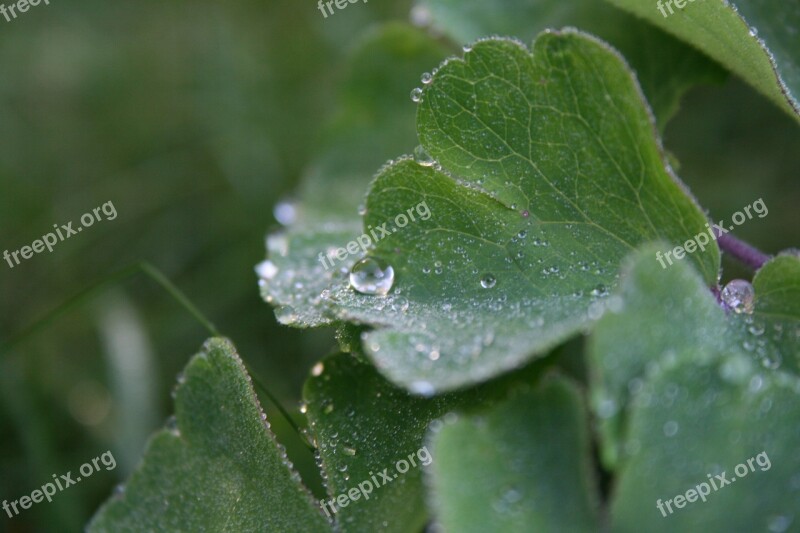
741, 251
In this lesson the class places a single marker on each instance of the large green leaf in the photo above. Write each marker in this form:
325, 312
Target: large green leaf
217, 467
374, 122
363, 425
757, 40
523, 466
770, 335
665, 67
679, 398
547, 174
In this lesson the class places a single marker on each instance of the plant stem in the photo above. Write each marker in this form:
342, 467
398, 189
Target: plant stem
741, 251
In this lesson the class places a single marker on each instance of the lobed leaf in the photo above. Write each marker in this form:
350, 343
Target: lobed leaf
218, 468
547, 173
665, 66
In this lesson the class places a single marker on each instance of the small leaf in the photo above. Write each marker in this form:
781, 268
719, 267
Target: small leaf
218, 468
522, 466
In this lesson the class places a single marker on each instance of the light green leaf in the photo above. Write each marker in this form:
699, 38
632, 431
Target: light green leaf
374, 123
665, 66
757, 40
655, 324
550, 174
695, 418
218, 467
363, 425
773, 332
679, 398
522, 466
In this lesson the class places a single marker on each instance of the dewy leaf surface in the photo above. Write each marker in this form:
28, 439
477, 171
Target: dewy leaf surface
375, 122
665, 66
525, 465
362, 424
550, 174
219, 468
686, 400
758, 40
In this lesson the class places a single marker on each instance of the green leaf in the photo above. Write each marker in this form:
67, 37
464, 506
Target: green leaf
758, 41
362, 424
657, 301
679, 398
218, 468
374, 123
693, 419
547, 175
665, 67
773, 331
525, 465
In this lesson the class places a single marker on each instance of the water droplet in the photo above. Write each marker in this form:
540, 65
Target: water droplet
772, 360
372, 276
467, 48
423, 388
739, 296
600, 290
778, 524
422, 157
172, 426
416, 95
119, 491
488, 281
285, 212
426, 78
266, 270
317, 369
525, 214
671, 428
349, 450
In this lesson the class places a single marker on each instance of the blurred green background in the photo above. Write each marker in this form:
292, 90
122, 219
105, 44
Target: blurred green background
195, 119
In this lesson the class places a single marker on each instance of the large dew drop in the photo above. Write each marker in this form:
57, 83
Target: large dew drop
739, 296
372, 276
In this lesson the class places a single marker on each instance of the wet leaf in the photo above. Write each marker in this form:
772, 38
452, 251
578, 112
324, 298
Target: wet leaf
680, 400
665, 67
550, 174
522, 466
758, 41
363, 426
217, 467
374, 122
